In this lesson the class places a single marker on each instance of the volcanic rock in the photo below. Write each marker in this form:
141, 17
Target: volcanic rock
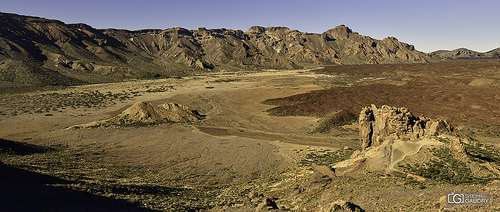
322, 176
266, 205
324, 170
377, 125
52, 51
341, 205
143, 113
391, 135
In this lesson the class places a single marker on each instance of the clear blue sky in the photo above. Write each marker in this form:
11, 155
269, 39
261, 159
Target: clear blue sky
428, 24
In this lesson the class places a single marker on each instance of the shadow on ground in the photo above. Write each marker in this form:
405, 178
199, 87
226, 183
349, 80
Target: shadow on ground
23, 190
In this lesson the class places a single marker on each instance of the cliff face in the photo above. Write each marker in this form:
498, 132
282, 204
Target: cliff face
377, 125
52, 52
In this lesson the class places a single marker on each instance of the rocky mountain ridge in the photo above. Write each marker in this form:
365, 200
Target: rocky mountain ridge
38, 51
463, 53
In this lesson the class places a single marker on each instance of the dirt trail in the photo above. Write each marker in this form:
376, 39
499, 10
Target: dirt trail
403, 149
237, 149
236, 141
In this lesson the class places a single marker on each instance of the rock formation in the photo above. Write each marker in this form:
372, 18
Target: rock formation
390, 136
268, 204
322, 176
343, 206
377, 125
53, 52
143, 113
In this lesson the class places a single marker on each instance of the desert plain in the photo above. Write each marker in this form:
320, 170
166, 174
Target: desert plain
255, 147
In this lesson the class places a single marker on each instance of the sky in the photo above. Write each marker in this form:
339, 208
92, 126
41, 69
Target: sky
429, 25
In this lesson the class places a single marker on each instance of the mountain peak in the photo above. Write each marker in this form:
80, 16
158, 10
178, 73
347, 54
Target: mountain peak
343, 27
340, 32
81, 52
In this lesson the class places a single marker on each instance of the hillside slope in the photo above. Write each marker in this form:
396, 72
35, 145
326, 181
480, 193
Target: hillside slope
463, 53
52, 52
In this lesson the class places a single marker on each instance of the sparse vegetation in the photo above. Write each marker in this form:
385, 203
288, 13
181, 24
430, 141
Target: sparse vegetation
85, 168
178, 168
226, 80
448, 169
9, 148
489, 131
58, 101
162, 88
483, 153
325, 157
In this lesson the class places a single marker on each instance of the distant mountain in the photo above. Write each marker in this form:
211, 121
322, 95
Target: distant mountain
495, 53
463, 53
38, 51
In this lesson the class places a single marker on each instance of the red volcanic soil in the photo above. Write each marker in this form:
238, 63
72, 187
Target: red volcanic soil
464, 92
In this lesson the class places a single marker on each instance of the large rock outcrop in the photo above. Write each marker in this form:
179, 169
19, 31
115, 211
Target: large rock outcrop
390, 136
377, 125
143, 113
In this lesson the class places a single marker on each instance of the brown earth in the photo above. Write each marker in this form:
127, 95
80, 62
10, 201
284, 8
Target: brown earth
237, 148
237, 158
448, 90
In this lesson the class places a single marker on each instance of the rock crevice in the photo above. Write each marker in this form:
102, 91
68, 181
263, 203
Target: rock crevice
377, 125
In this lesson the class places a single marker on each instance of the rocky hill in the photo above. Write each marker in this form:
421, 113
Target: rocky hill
393, 139
388, 123
143, 114
463, 53
38, 51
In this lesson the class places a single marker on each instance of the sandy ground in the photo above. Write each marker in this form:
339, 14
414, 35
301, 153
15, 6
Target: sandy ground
233, 108
463, 92
214, 163
237, 142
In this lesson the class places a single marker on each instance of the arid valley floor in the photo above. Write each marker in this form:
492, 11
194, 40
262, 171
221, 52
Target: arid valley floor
253, 150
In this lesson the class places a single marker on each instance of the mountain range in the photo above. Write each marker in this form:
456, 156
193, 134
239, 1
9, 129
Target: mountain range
463, 53
38, 52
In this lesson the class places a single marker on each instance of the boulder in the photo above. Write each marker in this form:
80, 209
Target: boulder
324, 170
321, 177
341, 205
266, 205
